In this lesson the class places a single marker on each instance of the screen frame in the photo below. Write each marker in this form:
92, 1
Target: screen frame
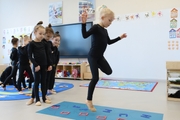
73, 56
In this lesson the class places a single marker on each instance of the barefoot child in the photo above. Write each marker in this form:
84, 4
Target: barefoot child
98, 46
55, 60
24, 64
38, 56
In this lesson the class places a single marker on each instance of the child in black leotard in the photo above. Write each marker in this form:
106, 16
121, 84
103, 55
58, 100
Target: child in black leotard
99, 43
14, 61
38, 56
5, 74
47, 40
24, 64
55, 60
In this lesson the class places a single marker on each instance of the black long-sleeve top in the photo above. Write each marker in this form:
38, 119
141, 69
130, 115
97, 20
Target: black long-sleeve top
55, 55
48, 45
37, 53
14, 56
100, 39
23, 55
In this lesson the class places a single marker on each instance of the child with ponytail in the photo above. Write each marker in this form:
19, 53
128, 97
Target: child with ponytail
38, 56
55, 60
100, 41
47, 40
24, 64
14, 61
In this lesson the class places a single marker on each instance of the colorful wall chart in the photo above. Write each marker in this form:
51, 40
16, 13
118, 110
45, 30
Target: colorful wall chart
87, 6
7, 36
55, 13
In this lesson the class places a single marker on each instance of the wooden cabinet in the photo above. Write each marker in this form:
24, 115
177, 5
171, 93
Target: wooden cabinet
173, 75
69, 69
88, 75
2, 68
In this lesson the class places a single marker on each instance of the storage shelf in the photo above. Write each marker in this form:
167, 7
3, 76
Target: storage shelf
64, 67
173, 99
173, 67
174, 85
66, 78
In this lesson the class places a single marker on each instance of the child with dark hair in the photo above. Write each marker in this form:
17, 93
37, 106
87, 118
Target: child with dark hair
55, 60
38, 56
14, 61
47, 40
24, 64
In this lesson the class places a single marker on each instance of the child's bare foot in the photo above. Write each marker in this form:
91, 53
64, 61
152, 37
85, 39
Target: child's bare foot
20, 92
38, 103
30, 89
47, 98
31, 101
4, 88
52, 92
47, 101
90, 106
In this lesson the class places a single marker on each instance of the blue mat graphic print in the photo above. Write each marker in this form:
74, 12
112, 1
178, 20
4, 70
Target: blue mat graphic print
12, 94
78, 111
125, 85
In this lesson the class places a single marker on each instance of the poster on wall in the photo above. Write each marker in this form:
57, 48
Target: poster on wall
55, 13
174, 32
87, 6
19, 33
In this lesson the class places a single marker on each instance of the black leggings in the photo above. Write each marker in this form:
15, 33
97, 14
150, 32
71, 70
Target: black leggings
96, 63
52, 78
40, 77
13, 74
5, 74
21, 76
48, 80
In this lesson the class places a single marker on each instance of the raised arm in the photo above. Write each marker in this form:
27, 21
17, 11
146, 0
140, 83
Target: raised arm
116, 39
86, 33
113, 40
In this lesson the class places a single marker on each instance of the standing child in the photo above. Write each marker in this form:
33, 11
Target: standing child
47, 40
99, 43
24, 64
38, 56
14, 61
55, 60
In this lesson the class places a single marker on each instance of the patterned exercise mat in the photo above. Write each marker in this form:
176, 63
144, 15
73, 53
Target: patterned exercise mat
12, 94
125, 85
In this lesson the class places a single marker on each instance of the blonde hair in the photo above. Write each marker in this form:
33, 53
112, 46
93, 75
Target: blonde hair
26, 37
103, 10
38, 25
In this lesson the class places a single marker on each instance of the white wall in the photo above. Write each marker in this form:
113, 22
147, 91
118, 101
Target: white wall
15, 13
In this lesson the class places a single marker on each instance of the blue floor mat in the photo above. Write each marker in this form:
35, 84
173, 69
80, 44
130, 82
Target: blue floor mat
78, 111
12, 94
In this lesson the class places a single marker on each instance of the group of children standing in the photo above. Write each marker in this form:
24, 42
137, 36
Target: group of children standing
44, 57
43, 53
